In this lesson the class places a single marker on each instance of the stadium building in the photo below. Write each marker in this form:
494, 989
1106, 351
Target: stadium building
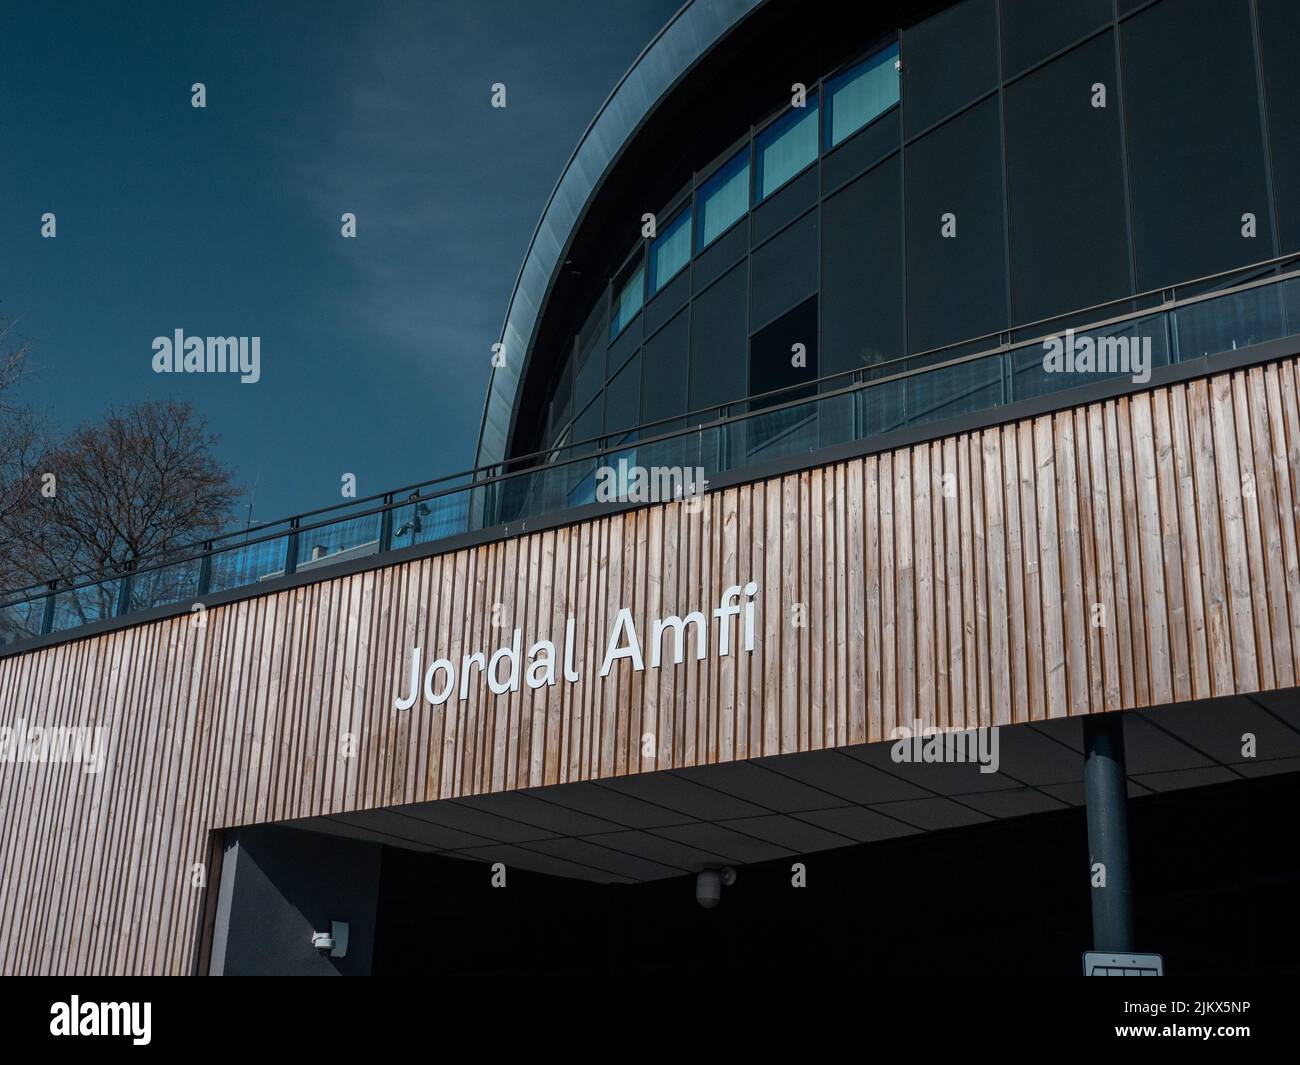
963, 639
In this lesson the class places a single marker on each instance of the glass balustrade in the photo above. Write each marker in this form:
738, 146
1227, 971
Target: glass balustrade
864, 404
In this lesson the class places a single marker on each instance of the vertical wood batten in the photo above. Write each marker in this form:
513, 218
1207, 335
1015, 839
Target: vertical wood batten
954, 581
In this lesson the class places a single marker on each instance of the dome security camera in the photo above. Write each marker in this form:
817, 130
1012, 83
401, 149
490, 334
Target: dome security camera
334, 943
709, 884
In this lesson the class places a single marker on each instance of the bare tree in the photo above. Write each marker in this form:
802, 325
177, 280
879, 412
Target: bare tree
23, 440
140, 484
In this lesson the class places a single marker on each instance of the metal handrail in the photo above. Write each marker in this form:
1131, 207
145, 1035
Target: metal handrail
294, 528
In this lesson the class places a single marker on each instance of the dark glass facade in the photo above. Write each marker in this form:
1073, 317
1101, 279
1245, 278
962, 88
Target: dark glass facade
957, 174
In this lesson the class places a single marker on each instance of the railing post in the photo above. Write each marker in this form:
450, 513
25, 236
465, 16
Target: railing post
205, 570
386, 525
124, 591
291, 548
47, 616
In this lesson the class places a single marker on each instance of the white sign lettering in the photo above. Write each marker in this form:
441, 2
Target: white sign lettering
507, 669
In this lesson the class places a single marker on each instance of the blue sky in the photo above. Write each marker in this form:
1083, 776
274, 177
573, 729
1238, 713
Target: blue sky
225, 220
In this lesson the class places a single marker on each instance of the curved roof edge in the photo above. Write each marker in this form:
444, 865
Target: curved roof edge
690, 34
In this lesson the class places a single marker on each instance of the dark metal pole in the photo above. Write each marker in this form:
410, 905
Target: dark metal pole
1106, 788
386, 525
291, 548
124, 591
47, 614
205, 570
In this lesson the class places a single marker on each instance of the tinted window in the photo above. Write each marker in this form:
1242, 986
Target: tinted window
1069, 240
627, 299
1033, 30
670, 251
1196, 153
663, 377
722, 199
591, 375
623, 398
719, 341
774, 361
956, 285
862, 271
1279, 35
784, 270
785, 147
861, 93
587, 426
949, 60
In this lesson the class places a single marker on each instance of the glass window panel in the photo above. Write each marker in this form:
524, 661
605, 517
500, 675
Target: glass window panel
670, 251
861, 93
862, 271
785, 147
1033, 30
1196, 153
1230, 322
953, 390
561, 407
956, 285
21, 621
663, 379
722, 199
949, 60
784, 270
590, 378
882, 408
1062, 259
772, 356
623, 399
719, 341
791, 201
778, 433
585, 431
1145, 344
1279, 38
620, 351
627, 302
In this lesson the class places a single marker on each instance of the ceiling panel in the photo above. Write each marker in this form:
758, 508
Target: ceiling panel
1217, 726
848, 778
735, 847
609, 803
467, 817
791, 833
537, 862
1013, 802
614, 861
1188, 778
674, 792
856, 822
647, 826
761, 786
554, 819
933, 814
1151, 749
655, 848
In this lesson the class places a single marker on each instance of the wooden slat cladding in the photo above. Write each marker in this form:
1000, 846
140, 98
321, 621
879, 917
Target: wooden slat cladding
1136, 551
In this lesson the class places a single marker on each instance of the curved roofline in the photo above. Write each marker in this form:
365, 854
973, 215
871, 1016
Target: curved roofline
693, 31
